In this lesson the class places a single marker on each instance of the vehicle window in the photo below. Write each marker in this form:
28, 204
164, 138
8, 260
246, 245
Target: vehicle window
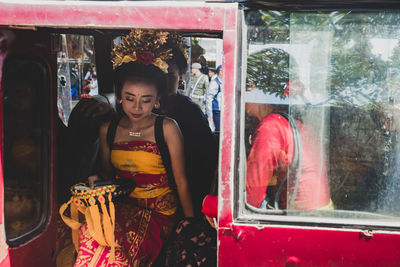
77, 76
321, 115
25, 159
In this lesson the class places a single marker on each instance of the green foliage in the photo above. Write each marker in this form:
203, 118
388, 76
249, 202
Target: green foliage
269, 70
352, 63
268, 26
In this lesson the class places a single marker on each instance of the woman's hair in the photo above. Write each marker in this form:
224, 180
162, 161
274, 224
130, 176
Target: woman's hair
179, 59
136, 72
202, 59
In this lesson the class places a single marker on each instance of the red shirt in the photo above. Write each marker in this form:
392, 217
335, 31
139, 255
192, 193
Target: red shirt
271, 155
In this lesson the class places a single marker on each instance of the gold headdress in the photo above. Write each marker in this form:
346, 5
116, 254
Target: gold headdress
176, 39
143, 46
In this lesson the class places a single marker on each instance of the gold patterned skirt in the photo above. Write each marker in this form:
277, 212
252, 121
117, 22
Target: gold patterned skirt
144, 222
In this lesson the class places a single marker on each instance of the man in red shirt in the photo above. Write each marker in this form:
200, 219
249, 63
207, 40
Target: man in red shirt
269, 183
271, 156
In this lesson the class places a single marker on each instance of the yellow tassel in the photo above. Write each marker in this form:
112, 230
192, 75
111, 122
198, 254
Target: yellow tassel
108, 226
94, 216
112, 210
75, 230
72, 222
101, 227
112, 218
89, 223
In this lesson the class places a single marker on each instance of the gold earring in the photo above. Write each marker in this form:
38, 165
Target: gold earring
157, 105
120, 101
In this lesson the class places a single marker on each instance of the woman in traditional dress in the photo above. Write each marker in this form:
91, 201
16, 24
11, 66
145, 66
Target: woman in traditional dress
144, 222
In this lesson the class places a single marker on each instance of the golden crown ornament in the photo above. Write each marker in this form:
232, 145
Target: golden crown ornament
143, 46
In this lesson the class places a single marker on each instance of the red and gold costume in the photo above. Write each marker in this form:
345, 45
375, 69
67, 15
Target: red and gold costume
144, 222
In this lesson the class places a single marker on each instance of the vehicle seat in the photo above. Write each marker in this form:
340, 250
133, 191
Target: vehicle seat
82, 151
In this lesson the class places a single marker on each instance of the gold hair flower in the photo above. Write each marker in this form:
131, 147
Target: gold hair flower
143, 46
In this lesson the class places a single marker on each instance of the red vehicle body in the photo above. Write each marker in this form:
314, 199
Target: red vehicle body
242, 241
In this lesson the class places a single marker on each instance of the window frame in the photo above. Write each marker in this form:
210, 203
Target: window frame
45, 152
243, 213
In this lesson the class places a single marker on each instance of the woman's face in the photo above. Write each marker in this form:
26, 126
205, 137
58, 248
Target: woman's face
172, 78
138, 99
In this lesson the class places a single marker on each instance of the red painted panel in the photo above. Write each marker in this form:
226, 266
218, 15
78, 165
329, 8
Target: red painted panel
5, 39
172, 15
273, 246
229, 85
40, 250
3, 54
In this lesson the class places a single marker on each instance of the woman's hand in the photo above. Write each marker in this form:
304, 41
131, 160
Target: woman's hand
92, 179
212, 221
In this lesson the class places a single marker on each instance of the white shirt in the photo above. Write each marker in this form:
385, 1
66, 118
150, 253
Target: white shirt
94, 89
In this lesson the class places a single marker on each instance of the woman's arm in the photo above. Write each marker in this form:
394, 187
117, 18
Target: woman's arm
174, 140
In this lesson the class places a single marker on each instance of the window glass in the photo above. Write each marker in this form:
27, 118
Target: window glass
77, 76
321, 116
25, 158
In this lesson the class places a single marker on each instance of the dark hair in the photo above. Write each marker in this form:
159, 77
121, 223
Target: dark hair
137, 72
179, 59
202, 60
218, 69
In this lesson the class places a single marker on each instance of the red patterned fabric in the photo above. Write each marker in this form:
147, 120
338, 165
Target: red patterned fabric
140, 233
142, 224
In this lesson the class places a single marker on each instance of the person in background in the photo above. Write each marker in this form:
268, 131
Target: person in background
204, 65
201, 151
273, 147
270, 158
85, 89
94, 89
272, 155
89, 73
211, 74
74, 80
199, 85
63, 67
193, 243
214, 99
